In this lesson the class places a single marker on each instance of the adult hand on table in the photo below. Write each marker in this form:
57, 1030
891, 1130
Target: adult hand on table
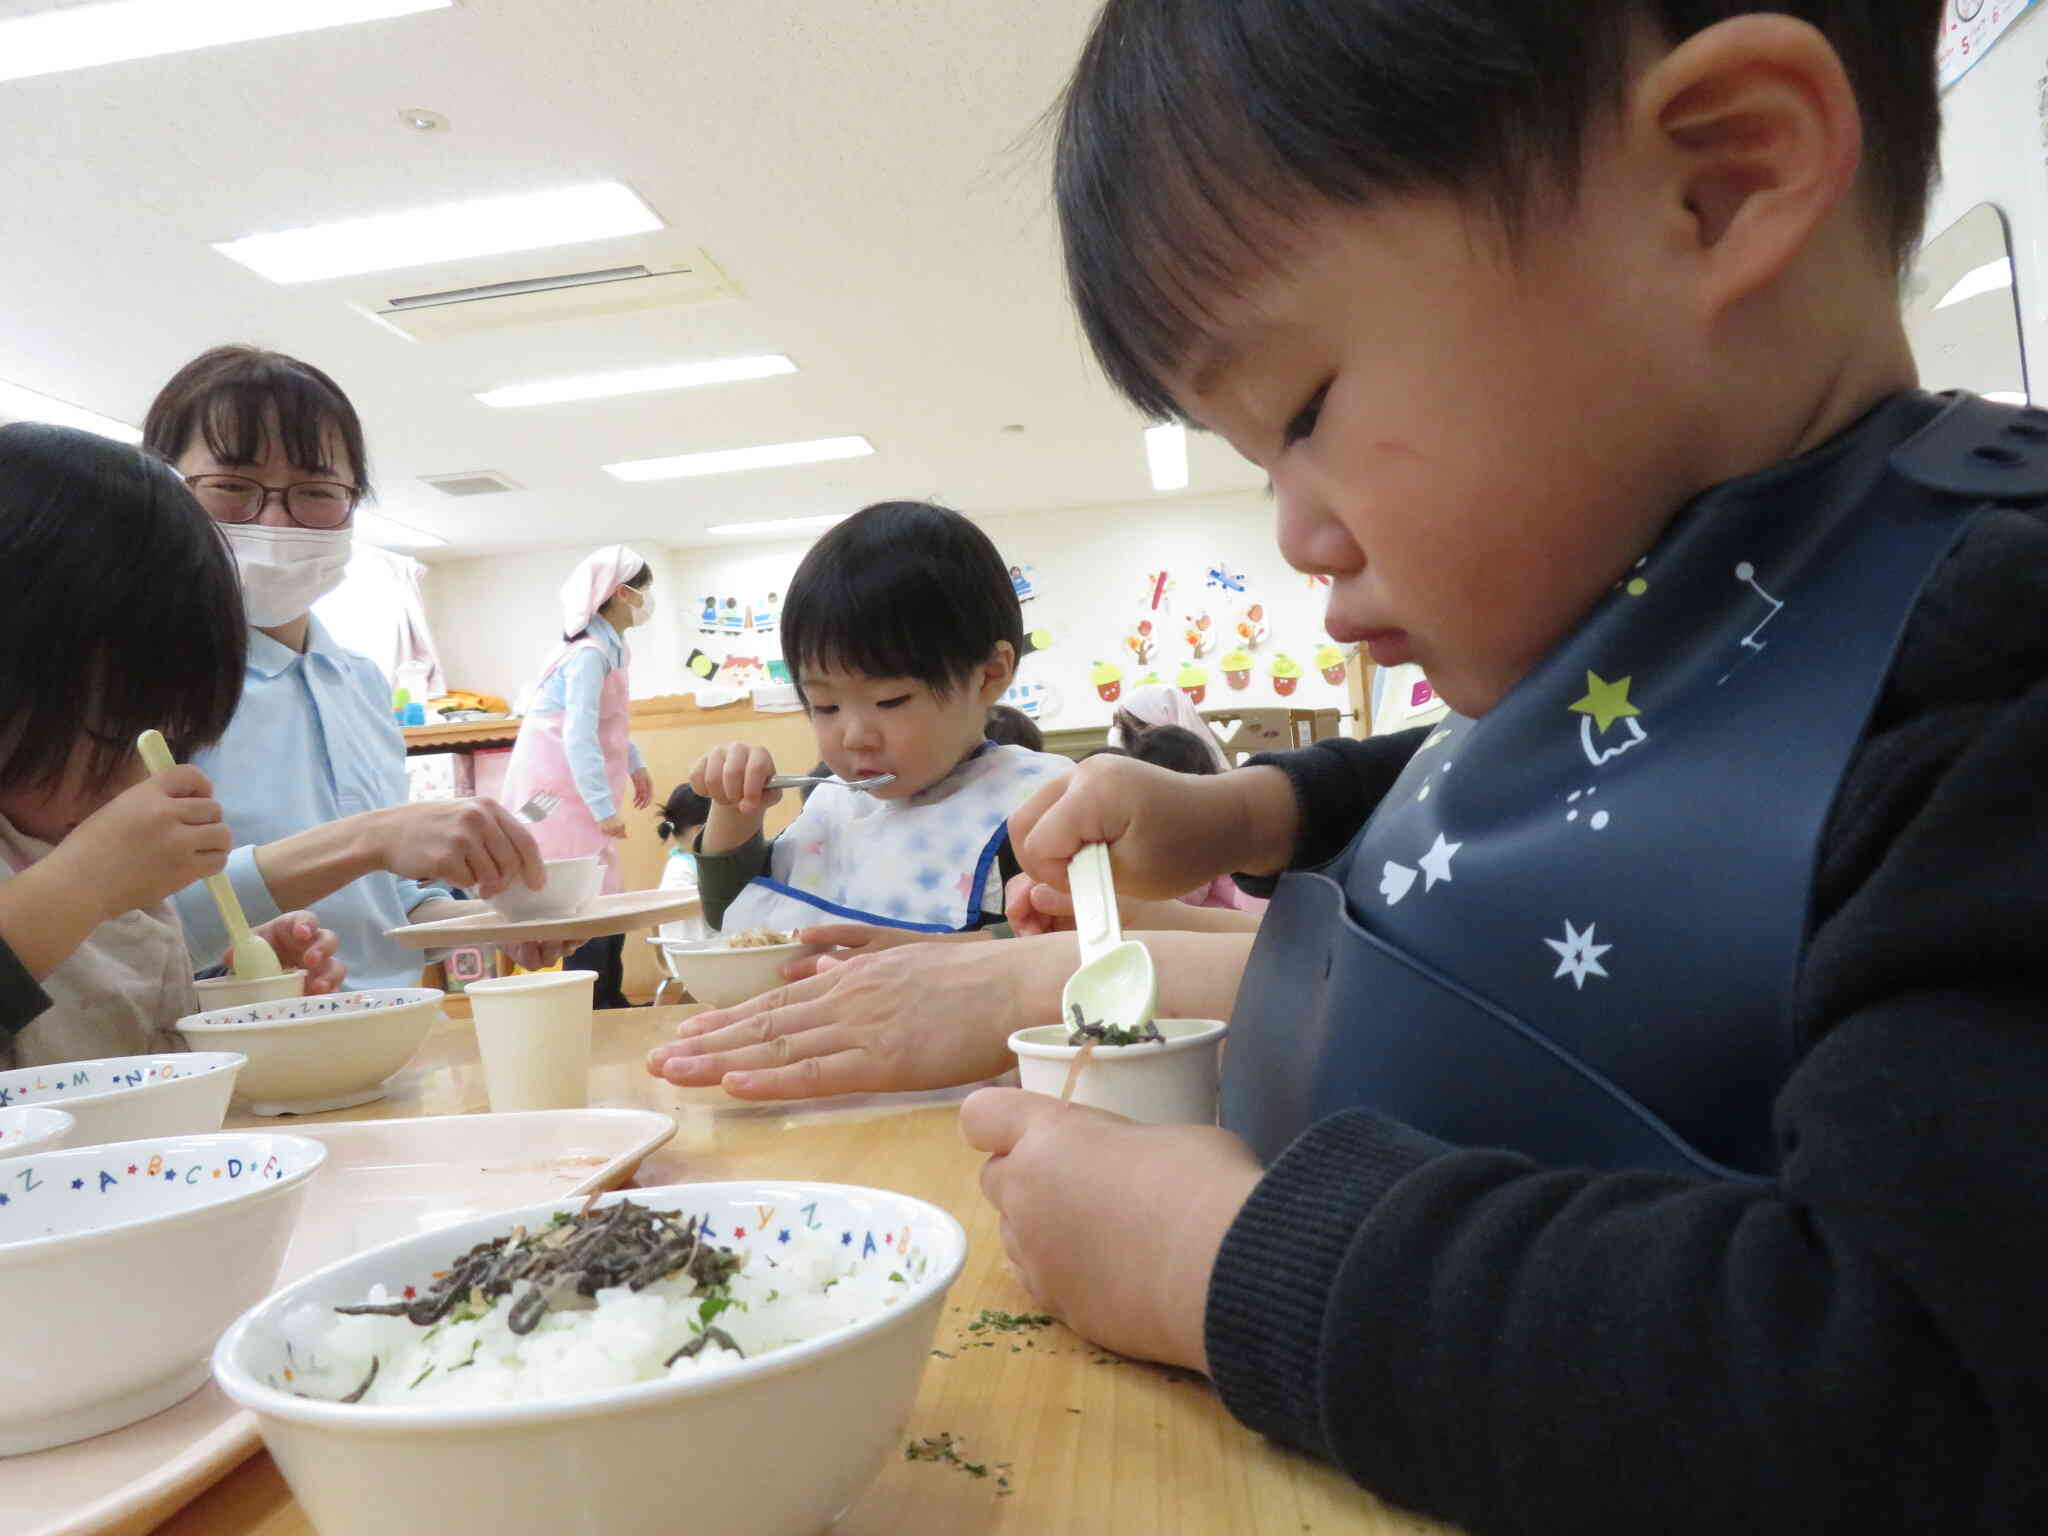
477, 845
844, 941
918, 1016
1113, 1227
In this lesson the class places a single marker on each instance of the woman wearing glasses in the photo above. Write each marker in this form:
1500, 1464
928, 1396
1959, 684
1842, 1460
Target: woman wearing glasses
312, 769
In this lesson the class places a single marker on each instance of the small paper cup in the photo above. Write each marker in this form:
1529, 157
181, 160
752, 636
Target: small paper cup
234, 991
1173, 1083
533, 1033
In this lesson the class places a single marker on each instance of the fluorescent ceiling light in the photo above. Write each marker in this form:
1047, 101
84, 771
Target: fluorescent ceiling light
2005, 396
725, 461
1989, 278
387, 533
80, 36
780, 524
19, 404
1166, 451
485, 226
638, 381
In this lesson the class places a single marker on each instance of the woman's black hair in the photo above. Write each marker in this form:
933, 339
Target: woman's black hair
901, 589
1195, 134
234, 397
125, 611
639, 581
1010, 727
1166, 746
683, 809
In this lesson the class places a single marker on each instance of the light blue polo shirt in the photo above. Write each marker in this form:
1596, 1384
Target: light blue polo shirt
313, 741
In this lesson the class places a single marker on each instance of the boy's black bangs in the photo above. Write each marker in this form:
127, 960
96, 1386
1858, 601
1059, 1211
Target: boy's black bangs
1195, 133
901, 589
231, 395
127, 613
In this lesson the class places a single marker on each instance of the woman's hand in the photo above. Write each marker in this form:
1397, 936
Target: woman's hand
476, 845
1113, 1227
846, 940
643, 789
300, 943
613, 826
1035, 908
918, 1016
1167, 832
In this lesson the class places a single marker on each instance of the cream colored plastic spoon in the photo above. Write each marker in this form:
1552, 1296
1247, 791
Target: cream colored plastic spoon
253, 955
1115, 983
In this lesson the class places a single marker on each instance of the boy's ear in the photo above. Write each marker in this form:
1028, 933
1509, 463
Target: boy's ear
998, 672
1758, 123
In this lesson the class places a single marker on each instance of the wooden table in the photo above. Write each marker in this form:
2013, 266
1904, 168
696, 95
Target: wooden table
1092, 1444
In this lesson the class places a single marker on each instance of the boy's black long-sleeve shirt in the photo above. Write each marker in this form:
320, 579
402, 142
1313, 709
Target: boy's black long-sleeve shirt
1858, 1346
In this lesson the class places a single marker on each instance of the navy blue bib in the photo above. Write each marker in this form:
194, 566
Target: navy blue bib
1573, 926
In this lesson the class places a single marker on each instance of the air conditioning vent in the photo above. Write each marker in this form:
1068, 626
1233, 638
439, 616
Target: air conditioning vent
475, 482
544, 298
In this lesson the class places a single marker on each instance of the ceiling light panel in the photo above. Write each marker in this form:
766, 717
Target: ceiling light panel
725, 461
21, 404
638, 381
488, 226
81, 36
779, 525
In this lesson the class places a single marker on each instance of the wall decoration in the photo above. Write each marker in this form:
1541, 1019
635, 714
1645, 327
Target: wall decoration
1225, 578
732, 617
767, 613
1237, 670
1333, 664
1199, 630
1249, 623
1141, 639
1035, 640
1036, 700
1150, 680
1107, 679
1317, 581
1020, 578
701, 666
1286, 673
745, 672
1158, 588
1968, 29
1194, 682
707, 619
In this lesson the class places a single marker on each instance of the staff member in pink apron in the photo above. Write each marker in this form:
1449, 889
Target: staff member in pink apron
572, 739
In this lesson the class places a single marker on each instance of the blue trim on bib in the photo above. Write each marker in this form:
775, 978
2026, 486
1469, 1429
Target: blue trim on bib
852, 913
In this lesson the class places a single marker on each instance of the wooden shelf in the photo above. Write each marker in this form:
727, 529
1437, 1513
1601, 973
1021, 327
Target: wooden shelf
660, 713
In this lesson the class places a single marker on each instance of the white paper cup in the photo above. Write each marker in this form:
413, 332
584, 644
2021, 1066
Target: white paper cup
533, 1033
233, 991
1168, 1084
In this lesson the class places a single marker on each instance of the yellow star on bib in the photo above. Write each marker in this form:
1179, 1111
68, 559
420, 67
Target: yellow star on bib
1606, 702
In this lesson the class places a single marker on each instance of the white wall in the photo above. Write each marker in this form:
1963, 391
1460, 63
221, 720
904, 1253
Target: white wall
492, 616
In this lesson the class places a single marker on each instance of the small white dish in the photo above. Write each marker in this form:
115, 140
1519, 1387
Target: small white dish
719, 977
1171, 1083
132, 1258
571, 885
308, 1055
27, 1128
125, 1098
232, 991
776, 1445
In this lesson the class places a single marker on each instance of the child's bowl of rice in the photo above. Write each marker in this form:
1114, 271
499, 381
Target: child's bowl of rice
730, 968
738, 1358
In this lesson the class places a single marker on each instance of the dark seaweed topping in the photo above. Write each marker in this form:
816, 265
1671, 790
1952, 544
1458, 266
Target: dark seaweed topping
708, 1336
1084, 1032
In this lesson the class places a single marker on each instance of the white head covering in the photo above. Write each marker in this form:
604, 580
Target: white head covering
593, 583
1158, 704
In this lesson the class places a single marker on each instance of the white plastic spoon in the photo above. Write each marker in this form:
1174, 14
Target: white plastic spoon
1115, 984
253, 955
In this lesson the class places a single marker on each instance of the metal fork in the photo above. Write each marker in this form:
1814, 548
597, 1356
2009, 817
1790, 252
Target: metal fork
539, 806
798, 780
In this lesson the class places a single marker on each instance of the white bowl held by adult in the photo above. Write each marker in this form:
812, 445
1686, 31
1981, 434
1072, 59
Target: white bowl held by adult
131, 1259
778, 1443
307, 1055
124, 1098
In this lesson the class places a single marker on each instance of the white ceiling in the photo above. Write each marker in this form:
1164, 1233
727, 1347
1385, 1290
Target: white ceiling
870, 173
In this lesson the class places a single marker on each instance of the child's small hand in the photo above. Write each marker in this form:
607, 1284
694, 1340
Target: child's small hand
736, 776
147, 842
300, 943
1113, 1227
1167, 832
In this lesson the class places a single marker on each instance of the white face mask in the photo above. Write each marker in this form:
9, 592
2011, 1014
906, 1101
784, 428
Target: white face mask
641, 608
285, 571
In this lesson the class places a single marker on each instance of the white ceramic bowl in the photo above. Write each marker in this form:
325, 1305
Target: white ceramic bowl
571, 886
130, 1259
309, 1054
125, 1098
778, 1445
1169, 1084
719, 977
33, 1128
232, 991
